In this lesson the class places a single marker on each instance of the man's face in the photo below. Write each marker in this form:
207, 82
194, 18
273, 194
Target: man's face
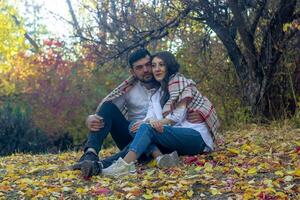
141, 70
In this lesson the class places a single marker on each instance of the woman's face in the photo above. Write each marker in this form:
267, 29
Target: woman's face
159, 69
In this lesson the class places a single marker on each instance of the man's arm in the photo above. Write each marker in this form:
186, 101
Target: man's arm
96, 122
194, 117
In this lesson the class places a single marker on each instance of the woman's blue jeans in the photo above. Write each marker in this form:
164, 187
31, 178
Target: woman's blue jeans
150, 148
185, 141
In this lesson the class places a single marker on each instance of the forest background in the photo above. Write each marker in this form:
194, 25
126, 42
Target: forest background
243, 55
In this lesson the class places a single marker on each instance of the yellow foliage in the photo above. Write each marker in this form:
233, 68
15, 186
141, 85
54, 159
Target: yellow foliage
12, 42
225, 174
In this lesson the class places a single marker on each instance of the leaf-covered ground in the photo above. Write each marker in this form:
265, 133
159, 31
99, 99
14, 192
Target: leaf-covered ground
253, 163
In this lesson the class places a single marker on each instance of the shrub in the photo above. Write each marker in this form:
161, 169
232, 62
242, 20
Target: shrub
17, 132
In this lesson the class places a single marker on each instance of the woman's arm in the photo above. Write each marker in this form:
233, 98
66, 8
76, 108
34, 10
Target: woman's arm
177, 116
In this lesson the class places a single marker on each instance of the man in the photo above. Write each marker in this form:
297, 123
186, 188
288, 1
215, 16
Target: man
130, 100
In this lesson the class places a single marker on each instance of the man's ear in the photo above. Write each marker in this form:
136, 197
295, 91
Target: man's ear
132, 72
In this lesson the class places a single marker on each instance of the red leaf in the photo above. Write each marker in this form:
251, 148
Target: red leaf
87, 178
199, 163
100, 191
298, 149
190, 159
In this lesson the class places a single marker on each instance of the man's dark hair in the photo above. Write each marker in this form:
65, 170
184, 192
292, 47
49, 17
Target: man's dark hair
137, 55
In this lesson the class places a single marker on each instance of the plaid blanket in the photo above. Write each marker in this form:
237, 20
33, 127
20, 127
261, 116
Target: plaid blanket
181, 88
120, 90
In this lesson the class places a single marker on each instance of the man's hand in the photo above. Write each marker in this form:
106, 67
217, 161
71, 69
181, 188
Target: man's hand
194, 117
157, 125
136, 126
94, 122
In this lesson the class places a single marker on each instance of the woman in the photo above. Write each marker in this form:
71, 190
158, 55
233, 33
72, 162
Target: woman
165, 123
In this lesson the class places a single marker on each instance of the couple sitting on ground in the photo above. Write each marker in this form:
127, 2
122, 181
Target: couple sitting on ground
166, 115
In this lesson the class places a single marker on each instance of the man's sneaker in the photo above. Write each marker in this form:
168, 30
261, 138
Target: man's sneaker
90, 168
168, 160
119, 168
88, 155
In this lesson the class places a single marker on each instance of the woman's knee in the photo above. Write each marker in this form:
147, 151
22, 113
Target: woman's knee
145, 126
145, 129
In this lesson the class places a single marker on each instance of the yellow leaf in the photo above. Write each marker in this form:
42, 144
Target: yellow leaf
252, 171
152, 163
294, 172
233, 150
208, 167
190, 193
148, 196
286, 26
253, 160
249, 193
198, 168
268, 182
279, 173
81, 190
246, 147
264, 166
214, 191
297, 172
281, 195
238, 170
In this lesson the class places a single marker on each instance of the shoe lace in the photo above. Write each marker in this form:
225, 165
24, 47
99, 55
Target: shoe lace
116, 164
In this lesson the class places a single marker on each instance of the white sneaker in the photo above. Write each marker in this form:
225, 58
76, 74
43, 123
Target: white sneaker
119, 168
168, 160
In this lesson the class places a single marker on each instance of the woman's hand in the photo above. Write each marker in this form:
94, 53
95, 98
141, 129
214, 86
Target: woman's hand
158, 125
136, 126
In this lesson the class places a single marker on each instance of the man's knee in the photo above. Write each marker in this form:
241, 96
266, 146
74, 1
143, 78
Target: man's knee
107, 108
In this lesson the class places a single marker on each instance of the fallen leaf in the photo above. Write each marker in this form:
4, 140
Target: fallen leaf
233, 150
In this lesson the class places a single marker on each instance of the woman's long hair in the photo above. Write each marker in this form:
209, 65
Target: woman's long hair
172, 67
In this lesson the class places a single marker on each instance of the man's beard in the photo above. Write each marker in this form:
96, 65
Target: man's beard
150, 80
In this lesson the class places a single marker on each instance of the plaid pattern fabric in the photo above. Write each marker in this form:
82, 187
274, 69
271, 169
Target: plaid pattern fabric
124, 87
181, 88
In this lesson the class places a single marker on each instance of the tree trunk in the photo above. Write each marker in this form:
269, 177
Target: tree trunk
255, 68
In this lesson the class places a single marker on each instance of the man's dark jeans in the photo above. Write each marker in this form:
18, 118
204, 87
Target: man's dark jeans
114, 123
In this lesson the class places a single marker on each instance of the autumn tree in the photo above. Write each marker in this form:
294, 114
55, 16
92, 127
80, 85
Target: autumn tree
12, 41
252, 33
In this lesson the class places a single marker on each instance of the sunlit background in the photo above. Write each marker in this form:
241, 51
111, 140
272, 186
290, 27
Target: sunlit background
54, 73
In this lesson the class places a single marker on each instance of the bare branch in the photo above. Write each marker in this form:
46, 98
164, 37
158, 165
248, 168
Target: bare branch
27, 36
150, 35
75, 22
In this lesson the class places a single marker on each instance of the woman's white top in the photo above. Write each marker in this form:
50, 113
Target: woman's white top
178, 115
